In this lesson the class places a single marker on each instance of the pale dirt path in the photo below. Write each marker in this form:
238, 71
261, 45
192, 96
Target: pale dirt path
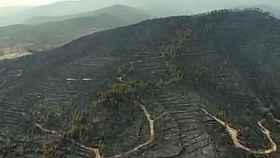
96, 151
233, 133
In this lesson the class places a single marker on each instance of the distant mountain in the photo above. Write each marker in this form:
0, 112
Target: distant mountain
127, 13
62, 30
142, 91
17, 15
67, 7
53, 34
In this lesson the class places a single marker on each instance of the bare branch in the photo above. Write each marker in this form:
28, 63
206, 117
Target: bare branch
233, 133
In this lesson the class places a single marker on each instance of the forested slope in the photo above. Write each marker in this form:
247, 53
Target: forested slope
155, 89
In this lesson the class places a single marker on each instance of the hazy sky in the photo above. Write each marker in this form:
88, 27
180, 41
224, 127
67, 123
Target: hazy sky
24, 2
164, 4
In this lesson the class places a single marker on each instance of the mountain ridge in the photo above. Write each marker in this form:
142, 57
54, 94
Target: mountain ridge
223, 61
52, 34
113, 10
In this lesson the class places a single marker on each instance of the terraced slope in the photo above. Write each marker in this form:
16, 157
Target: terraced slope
139, 91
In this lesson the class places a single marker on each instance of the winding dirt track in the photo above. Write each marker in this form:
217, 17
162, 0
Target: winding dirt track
233, 133
96, 151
